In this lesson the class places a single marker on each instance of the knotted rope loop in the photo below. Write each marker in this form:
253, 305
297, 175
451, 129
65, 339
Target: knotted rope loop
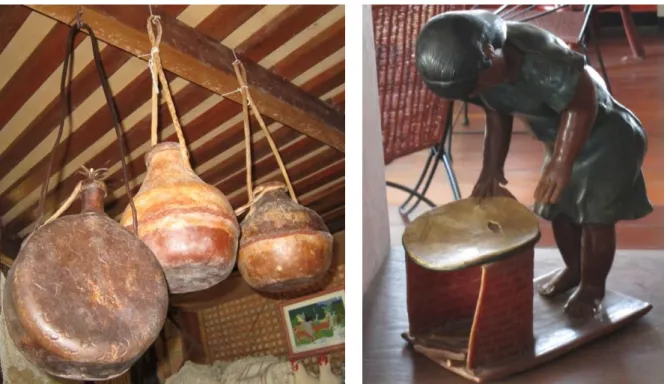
90, 174
155, 66
247, 101
257, 194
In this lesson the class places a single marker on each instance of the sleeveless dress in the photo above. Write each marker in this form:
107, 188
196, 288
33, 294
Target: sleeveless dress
607, 184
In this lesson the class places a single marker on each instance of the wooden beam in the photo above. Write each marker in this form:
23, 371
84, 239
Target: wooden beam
12, 18
201, 60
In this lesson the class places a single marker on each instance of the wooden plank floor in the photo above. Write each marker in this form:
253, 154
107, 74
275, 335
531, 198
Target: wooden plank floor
638, 85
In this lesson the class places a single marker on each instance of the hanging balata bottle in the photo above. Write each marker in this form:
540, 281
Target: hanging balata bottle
284, 245
85, 297
189, 225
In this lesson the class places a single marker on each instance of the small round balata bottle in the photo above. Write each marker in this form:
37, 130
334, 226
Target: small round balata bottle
284, 245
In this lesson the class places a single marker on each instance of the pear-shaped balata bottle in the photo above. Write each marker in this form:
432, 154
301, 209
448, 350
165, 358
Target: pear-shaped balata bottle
85, 298
187, 223
284, 246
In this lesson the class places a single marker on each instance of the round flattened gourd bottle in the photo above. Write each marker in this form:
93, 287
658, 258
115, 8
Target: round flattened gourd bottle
284, 245
85, 298
188, 224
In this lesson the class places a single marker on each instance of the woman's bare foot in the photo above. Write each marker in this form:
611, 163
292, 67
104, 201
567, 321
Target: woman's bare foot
586, 301
563, 281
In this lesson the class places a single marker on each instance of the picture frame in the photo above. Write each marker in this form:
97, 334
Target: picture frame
315, 324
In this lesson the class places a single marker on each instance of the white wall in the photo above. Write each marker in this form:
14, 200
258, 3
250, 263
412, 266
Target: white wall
376, 219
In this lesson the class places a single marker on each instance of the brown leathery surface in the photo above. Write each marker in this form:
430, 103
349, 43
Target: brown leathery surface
208, 258
284, 245
85, 298
189, 225
286, 262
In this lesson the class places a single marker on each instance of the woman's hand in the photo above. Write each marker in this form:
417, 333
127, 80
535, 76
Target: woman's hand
490, 184
555, 177
576, 122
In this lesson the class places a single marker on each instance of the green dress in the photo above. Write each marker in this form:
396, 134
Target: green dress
607, 184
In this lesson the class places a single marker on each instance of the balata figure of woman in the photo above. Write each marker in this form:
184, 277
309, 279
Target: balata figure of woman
594, 146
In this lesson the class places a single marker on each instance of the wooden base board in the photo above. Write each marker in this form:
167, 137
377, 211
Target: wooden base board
555, 333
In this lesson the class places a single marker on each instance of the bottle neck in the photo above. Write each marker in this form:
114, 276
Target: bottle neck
92, 197
277, 194
164, 165
268, 197
166, 159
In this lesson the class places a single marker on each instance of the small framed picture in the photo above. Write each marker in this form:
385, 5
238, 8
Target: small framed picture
315, 324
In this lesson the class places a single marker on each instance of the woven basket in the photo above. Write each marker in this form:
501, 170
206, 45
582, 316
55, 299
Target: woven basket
412, 116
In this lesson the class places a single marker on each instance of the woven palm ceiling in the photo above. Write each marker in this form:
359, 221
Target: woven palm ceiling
298, 44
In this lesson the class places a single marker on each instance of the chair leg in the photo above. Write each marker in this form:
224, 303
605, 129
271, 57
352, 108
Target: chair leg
598, 52
427, 165
433, 155
631, 33
465, 121
451, 176
448, 150
447, 161
439, 152
412, 192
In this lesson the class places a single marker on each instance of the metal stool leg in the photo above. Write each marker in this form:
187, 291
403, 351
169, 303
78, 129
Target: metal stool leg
432, 162
465, 121
447, 161
452, 177
439, 152
411, 192
418, 185
589, 29
435, 155
599, 55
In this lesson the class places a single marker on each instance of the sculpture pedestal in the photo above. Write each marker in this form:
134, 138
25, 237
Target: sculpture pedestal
555, 334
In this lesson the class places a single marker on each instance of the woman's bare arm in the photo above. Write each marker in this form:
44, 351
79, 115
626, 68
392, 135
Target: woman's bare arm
497, 141
575, 127
496, 146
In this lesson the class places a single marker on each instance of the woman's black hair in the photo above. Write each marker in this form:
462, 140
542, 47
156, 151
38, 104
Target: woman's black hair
450, 50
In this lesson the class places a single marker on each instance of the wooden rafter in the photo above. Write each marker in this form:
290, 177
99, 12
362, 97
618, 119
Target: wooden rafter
204, 61
309, 54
